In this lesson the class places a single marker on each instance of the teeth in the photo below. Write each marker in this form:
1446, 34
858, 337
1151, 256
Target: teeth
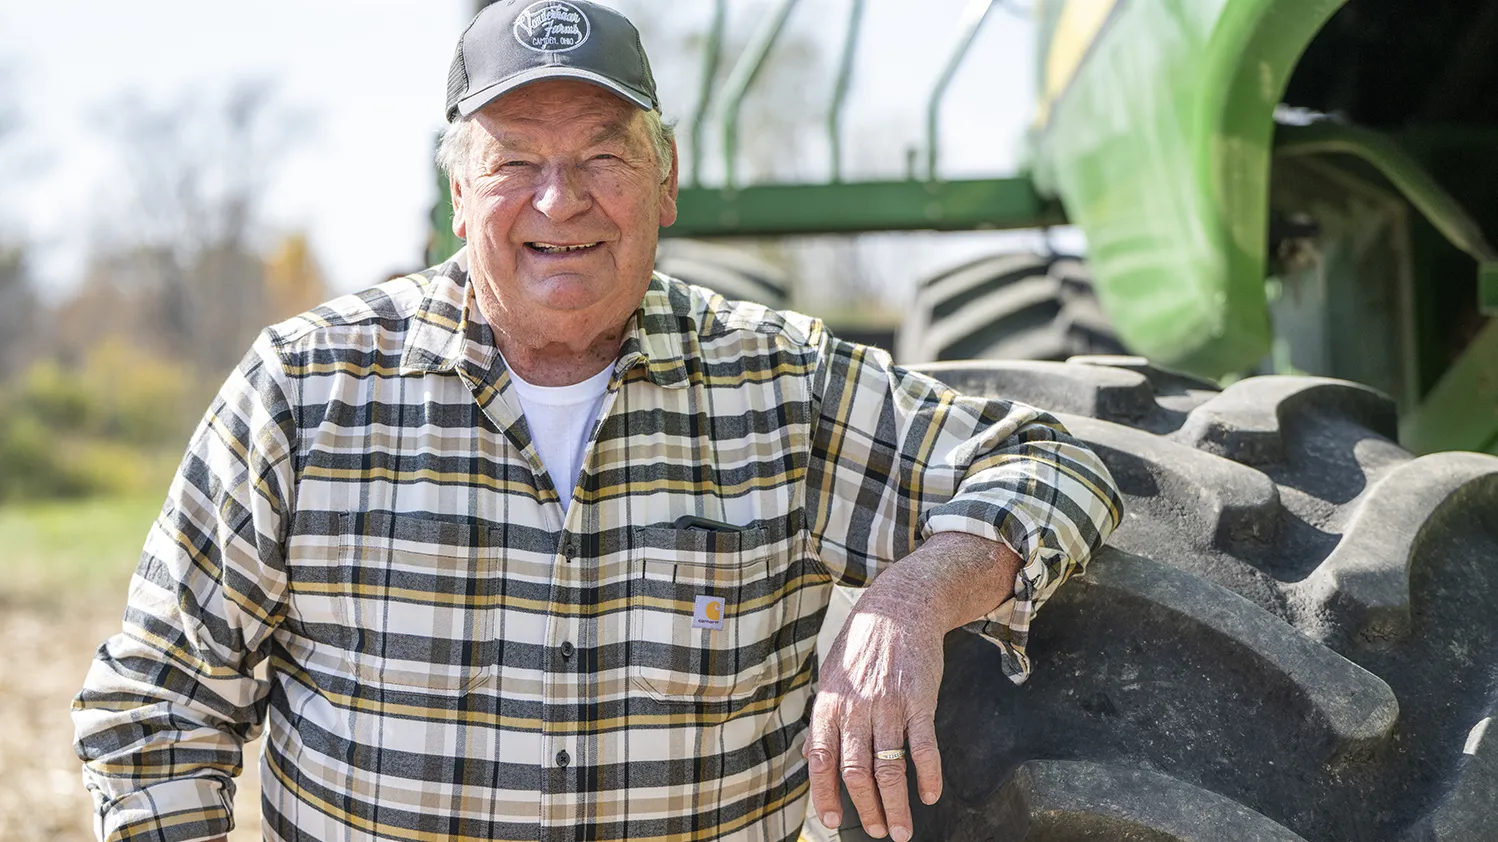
548, 248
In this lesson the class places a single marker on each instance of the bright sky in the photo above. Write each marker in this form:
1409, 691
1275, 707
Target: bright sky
372, 74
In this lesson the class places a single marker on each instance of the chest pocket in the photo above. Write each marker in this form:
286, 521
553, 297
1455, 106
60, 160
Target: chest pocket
705, 611
420, 601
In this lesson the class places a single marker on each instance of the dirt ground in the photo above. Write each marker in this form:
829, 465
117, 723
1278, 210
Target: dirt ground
45, 654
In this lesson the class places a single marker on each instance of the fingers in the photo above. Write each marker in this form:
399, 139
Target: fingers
889, 775
858, 773
822, 750
921, 732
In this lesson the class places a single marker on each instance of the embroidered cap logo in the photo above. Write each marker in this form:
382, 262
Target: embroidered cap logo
552, 26
708, 612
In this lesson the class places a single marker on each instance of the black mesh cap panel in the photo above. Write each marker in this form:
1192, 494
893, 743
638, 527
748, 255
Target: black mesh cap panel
457, 81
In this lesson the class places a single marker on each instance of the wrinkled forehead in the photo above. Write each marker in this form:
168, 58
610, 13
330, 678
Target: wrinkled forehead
563, 110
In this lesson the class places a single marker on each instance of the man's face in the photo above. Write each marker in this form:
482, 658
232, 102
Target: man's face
561, 208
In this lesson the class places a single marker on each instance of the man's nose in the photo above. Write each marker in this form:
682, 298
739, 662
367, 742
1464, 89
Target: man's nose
561, 193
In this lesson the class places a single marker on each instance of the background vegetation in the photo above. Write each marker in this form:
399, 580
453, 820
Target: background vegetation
101, 385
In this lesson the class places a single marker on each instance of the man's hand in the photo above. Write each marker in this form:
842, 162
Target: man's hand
881, 677
878, 692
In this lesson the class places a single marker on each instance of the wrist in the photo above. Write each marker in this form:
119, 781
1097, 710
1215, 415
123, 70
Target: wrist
952, 579
907, 595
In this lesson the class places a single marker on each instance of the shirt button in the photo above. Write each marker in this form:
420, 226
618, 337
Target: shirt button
563, 758
567, 649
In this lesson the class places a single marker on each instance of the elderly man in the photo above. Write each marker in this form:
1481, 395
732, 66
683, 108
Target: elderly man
536, 543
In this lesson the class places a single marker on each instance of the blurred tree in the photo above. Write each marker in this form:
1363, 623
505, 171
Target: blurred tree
98, 399
175, 287
196, 169
109, 302
185, 241
294, 281
18, 311
18, 302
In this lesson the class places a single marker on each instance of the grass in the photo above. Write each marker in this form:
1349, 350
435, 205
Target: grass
56, 550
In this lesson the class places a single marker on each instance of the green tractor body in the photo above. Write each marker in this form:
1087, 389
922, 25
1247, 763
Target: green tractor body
1219, 237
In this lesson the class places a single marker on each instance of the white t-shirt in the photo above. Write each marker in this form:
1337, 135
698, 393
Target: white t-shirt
560, 419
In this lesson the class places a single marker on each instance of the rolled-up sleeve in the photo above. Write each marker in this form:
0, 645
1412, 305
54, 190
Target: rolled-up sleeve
169, 701
898, 457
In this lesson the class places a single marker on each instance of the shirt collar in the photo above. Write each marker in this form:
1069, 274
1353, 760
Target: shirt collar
441, 329
656, 335
448, 329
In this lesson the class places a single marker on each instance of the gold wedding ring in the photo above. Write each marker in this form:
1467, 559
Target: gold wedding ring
891, 754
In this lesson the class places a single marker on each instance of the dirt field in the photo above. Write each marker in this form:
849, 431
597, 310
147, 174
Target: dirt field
62, 590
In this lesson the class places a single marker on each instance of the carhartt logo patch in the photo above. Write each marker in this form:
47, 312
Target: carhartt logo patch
552, 26
708, 613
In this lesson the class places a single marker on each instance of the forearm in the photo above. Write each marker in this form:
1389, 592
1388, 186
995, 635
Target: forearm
953, 579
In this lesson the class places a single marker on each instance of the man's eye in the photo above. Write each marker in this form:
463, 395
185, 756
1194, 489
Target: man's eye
605, 156
514, 164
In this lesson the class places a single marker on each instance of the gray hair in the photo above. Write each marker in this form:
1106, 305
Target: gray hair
457, 145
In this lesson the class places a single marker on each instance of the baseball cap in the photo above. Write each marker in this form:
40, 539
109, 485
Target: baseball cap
511, 43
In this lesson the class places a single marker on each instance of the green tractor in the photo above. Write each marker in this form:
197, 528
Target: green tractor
1285, 299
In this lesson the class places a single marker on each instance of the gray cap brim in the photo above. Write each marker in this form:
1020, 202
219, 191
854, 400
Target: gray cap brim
478, 99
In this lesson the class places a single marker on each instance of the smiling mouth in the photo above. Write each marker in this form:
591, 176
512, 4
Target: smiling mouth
552, 248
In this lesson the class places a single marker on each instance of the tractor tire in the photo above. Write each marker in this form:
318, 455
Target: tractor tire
1292, 636
733, 273
1021, 306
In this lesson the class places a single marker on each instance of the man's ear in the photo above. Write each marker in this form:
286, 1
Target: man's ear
455, 190
669, 191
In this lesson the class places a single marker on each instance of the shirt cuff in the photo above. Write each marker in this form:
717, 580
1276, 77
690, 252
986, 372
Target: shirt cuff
171, 811
1008, 626
1042, 570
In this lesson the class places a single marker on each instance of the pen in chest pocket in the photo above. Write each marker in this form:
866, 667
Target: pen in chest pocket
704, 524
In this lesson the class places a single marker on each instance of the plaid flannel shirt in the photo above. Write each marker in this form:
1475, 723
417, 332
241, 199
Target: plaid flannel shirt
450, 657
